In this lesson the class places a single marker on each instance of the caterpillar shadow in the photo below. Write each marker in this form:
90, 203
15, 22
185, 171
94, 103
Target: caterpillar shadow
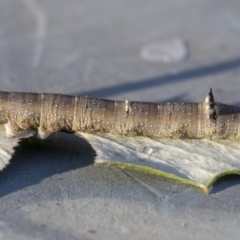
158, 81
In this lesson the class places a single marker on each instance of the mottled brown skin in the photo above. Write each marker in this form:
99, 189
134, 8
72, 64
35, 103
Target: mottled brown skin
47, 113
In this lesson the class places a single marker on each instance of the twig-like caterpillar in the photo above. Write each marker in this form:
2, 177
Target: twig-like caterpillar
26, 113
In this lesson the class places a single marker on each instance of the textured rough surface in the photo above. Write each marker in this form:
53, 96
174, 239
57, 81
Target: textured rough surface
51, 190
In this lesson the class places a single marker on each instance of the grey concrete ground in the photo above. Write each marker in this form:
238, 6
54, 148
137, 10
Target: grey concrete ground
51, 190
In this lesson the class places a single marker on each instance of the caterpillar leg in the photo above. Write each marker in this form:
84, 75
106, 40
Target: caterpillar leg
42, 133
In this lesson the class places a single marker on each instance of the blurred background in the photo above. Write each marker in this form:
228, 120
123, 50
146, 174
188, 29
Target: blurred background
142, 50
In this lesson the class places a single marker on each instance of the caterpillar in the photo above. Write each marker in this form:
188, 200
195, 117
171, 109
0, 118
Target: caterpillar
26, 114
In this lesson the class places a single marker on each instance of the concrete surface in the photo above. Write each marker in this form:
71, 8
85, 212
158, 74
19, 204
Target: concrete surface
51, 190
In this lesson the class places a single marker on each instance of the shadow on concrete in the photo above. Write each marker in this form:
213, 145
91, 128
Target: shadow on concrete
187, 75
226, 182
237, 104
35, 160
